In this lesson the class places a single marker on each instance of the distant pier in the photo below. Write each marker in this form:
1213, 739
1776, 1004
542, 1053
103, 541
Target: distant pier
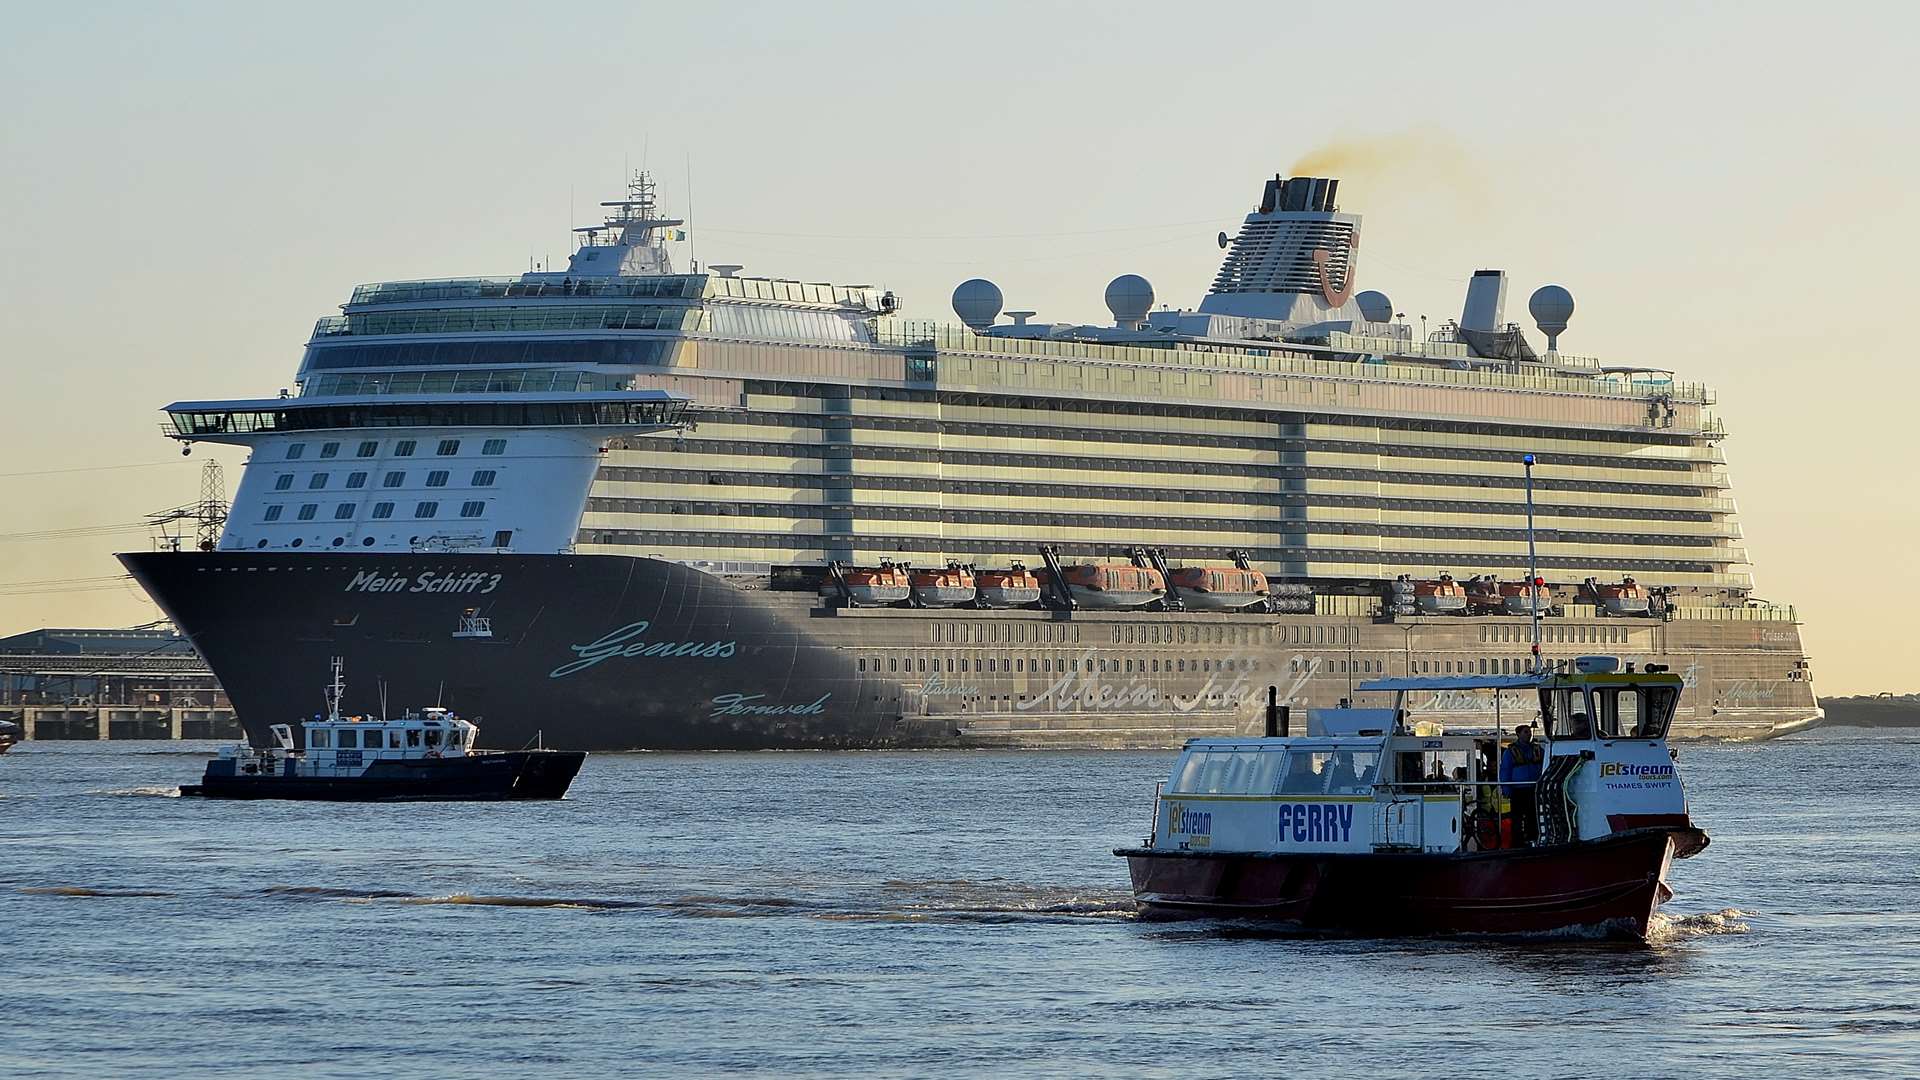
111, 684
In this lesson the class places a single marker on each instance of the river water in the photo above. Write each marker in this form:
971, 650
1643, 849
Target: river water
894, 914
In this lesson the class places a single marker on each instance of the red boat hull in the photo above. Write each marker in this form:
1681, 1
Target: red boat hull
1608, 886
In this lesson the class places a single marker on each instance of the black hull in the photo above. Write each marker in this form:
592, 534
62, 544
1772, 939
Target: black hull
512, 775
699, 667
1608, 887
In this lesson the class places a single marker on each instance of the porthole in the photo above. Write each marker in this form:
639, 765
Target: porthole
338, 540
261, 544
367, 542
296, 542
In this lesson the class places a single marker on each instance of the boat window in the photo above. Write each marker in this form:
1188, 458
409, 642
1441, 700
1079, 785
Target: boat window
413, 737
319, 738
453, 738
1566, 713
1303, 773
1265, 773
1634, 712
433, 738
1187, 777
349, 740
1657, 704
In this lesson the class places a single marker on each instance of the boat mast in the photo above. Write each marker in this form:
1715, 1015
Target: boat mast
1533, 567
335, 689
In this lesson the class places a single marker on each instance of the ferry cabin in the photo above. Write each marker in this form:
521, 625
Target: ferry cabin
1354, 789
347, 746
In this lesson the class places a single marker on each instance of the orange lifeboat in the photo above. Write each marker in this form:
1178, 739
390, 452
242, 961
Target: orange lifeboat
1442, 597
1015, 587
1517, 598
885, 584
1629, 597
1213, 588
1112, 586
943, 588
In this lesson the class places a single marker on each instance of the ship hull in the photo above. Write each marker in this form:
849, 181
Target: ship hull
615, 652
1608, 887
512, 775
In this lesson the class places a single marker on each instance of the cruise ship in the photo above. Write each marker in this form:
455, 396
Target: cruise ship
628, 506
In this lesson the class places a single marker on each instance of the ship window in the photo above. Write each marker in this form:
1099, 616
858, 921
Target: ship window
273, 513
472, 509
319, 737
448, 447
308, 510
426, 509
369, 448
295, 451
393, 479
437, 478
357, 480
494, 446
382, 511
503, 538
403, 448
413, 736
349, 740
483, 477
433, 737
317, 481
283, 482
328, 450
343, 511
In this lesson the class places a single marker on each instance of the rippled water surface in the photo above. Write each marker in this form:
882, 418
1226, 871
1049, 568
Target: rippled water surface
894, 914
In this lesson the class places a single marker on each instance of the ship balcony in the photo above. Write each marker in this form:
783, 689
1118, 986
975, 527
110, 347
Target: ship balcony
242, 422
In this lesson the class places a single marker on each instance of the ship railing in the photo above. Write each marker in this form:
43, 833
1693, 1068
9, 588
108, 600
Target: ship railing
680, 286
672, 318
1281, 359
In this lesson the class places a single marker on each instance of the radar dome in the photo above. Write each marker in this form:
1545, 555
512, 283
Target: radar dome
1374, 306
977, 302
1551, 307
1129, 297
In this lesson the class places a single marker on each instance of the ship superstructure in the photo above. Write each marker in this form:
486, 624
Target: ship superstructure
743, 459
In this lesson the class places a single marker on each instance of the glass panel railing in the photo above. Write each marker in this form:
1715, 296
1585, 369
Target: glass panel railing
684, 286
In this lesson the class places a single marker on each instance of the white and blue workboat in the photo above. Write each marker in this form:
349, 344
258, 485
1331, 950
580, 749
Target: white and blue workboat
1372, 824
422, 755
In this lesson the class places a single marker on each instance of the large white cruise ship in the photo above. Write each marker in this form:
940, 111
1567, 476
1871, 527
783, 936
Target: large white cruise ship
641, 508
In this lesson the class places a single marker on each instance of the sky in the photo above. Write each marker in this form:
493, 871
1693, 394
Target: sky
1725, 188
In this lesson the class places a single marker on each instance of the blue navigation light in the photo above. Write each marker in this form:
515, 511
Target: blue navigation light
1528, 459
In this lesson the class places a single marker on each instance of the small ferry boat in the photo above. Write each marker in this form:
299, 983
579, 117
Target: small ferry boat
1372, 825
419, 756
9, 734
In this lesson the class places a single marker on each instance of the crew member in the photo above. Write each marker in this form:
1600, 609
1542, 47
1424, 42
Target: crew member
1519, 770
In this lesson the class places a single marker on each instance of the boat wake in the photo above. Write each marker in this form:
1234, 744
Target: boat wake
169, 792
84, 891
1667, 928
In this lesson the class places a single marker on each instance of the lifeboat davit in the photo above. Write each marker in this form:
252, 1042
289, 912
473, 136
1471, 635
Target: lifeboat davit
943, 588
1442, 597
1629, 597
1213, 588
877, 586
1112, 586
1015, 587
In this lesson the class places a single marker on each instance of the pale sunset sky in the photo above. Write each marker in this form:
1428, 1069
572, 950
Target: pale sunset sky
1726, 189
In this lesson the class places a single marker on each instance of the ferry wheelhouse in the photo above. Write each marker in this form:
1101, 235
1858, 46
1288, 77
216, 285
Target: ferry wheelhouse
1372, 824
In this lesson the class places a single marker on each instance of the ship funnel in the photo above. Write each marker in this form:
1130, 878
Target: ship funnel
1486, 301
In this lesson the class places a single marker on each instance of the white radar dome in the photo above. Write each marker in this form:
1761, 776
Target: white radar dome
1551, 306
1129, 297
1374, 306
977, 302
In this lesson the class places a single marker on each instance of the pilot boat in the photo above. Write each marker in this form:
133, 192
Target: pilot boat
1371, 825
418, 756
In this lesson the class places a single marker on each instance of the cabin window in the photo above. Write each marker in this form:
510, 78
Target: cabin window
413, 737
1566, 713
317, 481
294, 451
494, 446
319, 737
433, 737
453, 738
283, 482
393, 479
1634, 712
273, 513
349, 740
369, 448
437, 478
382, 510
328, 450
403, 448
357, 480
448, 447
483, 477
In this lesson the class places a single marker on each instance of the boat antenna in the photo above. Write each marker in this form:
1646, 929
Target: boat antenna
383, 700
440, 693
1533, 567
